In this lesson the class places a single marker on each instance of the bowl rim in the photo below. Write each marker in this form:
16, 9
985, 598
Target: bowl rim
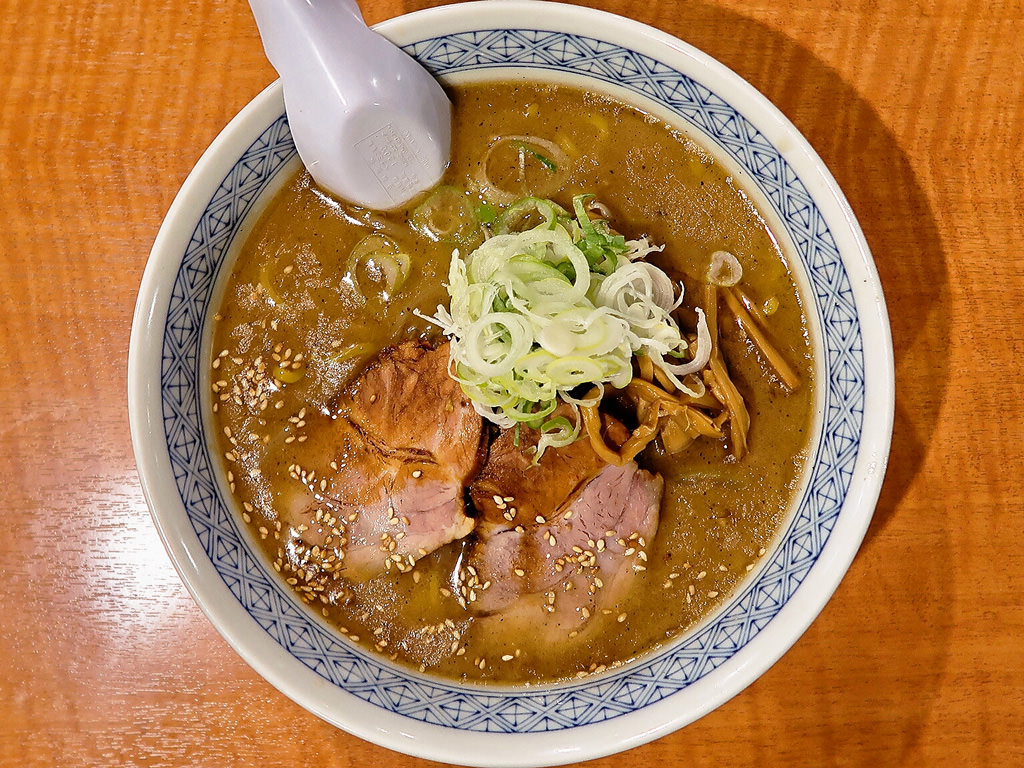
436, 742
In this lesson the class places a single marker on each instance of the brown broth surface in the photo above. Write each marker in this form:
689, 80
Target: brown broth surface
288, 312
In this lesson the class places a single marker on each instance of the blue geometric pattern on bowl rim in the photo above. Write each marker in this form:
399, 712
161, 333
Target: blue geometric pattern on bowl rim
593, 700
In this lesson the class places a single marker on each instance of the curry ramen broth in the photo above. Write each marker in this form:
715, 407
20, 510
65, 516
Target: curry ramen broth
296, 326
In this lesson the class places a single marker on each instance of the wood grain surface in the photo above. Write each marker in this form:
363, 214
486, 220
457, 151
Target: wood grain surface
916, 106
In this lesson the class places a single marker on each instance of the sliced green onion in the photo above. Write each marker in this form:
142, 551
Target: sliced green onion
557, 433
377, 265
514, 166
486, 213
267, 281
446, 216
537, 314
579, 204
551, 165
598, 244
557, 423
528, 213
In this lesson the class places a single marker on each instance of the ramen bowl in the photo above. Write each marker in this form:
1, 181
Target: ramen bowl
547, 724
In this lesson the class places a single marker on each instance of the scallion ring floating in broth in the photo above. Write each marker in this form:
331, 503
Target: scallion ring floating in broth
515, 166
377, 265
446, 217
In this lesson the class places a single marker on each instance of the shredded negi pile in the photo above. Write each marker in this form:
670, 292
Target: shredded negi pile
551, 303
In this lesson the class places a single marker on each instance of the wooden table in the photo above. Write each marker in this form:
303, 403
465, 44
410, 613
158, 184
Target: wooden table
918, 659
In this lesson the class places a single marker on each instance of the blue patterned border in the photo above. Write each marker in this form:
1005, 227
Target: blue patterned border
593, 700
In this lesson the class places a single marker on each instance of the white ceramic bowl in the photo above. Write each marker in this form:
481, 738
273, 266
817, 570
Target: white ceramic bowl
552, 724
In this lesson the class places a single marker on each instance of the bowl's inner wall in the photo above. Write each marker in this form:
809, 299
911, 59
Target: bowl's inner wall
545, 708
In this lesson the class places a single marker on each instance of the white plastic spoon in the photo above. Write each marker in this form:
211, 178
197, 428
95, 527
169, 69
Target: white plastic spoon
370, 124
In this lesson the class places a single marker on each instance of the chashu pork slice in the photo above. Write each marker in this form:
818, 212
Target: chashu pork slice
383, 484
558, 541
